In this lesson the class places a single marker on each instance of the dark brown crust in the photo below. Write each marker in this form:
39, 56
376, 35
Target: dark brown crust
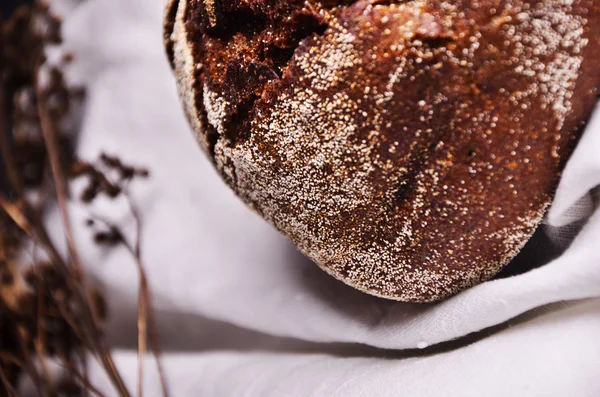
246, 51
461, 119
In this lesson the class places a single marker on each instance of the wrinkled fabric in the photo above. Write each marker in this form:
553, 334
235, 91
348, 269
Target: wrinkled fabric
241, 312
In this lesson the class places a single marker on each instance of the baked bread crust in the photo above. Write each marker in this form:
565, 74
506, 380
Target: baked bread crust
410, 148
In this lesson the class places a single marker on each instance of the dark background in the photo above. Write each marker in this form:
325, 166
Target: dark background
7, 6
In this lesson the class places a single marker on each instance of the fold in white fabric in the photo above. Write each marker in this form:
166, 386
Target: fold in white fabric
256, 318
543, 357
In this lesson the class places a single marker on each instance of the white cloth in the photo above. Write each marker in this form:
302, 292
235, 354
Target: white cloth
241, 312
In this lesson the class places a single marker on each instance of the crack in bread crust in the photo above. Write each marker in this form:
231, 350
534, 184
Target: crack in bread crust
409, 148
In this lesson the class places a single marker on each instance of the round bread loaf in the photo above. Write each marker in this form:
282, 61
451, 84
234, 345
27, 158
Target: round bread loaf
410, 148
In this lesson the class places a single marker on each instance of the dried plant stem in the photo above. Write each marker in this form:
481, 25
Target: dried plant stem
142, 338
37, 231
145, 295
7, 155
37, 381
11, 359
9, 293
69, 319
7, 386
16, 214
29, 219
39, 341
82, 378
144, 301
63, 321
53, 149
146, 321
85, 376
60, 182
18, 217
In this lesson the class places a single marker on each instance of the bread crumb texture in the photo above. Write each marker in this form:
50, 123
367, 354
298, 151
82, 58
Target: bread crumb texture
410, 148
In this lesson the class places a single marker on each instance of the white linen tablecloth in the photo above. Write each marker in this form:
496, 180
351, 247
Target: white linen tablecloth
242, 313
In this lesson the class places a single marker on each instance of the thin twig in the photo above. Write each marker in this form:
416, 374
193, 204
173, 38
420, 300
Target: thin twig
30, 368
84, 367
7, 153
145, 294
60, 181
142, 338
39, 235
53, 149
42, 192
69, 319
8, 387
143, 302
83, 379
36, 231
15, 213
28, 217
11, 359
145, 315
156, 349
39, 341
145, 308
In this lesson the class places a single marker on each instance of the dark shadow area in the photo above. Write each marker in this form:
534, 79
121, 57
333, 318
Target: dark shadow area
191, 333
538, 251
8, 6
